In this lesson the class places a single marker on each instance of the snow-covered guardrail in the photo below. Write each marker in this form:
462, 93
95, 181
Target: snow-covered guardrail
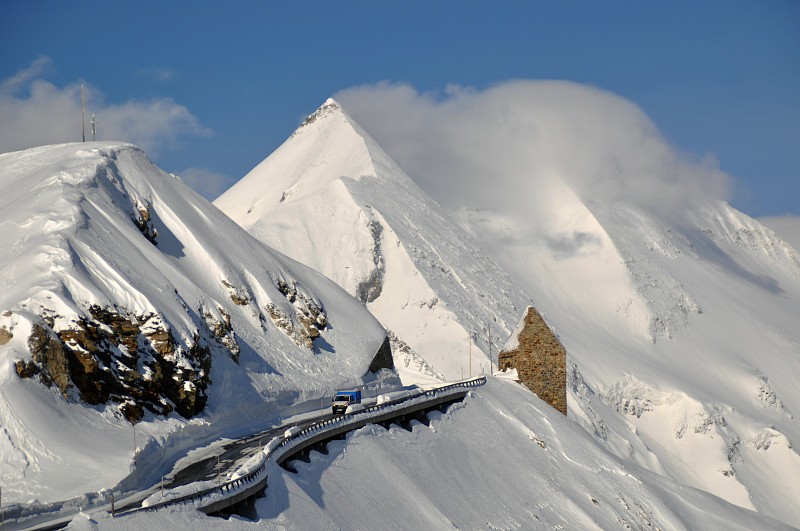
360, 415
252, 476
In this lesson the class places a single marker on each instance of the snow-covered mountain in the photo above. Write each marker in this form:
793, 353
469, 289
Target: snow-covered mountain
331, 198
681, 336
128, 297
681, 329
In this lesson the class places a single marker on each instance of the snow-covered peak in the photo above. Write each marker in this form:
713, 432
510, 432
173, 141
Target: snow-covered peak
330, 107
331, 198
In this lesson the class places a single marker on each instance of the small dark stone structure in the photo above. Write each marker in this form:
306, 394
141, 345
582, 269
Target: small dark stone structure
383, 358
540, 359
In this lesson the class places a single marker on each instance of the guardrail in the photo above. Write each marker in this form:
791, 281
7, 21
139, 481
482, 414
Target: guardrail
475, 382
213, 498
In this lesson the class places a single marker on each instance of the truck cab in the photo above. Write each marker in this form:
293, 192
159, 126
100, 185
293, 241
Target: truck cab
343, 399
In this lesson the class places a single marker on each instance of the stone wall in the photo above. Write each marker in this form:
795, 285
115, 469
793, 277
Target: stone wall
540, 360
383, 358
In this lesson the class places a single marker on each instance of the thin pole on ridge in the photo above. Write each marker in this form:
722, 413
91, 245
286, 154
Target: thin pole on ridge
83, 119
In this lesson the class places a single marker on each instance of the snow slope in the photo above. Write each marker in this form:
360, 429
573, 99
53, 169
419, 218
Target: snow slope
331, 198
78, 230
682, 339
680, 327
503, 459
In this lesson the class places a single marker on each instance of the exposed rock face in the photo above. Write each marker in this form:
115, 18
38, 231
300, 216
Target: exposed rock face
143, 222
222, 331
5, 335
309, 318
50, 356
328, 107
26, 369
131, 360
238, 296
540, 359
371, 287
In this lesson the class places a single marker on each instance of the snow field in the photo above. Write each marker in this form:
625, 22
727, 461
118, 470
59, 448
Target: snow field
501, 460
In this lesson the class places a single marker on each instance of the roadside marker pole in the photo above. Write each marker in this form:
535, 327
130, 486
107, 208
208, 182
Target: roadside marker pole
470, 355
489, 336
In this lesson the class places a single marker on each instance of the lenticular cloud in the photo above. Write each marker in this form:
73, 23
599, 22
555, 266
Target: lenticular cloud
505, 146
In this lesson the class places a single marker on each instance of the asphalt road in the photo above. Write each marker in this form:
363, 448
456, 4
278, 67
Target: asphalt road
234, 452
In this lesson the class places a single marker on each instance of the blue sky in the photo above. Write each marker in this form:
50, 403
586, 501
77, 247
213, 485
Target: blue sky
218, 86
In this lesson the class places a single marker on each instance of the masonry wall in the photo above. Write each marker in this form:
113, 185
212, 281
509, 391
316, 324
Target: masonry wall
383, 358
540, 360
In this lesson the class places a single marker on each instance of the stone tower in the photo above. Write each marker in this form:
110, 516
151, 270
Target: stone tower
539, 357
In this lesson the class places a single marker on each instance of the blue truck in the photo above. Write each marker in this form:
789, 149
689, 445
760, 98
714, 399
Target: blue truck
343, 399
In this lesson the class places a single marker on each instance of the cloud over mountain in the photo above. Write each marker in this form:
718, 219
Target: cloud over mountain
468, 147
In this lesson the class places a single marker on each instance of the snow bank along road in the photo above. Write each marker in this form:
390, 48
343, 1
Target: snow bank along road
195, 484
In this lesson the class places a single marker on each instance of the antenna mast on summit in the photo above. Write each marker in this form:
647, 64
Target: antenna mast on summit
83, 120
94, 131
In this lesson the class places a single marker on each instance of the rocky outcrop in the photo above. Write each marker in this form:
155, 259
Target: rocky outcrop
371, 287
539, 358
130, 360
49, 354
306, 322
328, 107
222, 330
238, 297
5, 335
143, 222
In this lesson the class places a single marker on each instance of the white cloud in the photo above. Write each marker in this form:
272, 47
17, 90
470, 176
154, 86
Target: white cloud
500, 147
205, 182
37, 112
39, 67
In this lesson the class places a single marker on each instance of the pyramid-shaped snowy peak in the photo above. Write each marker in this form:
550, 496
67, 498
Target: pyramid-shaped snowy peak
331, 198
